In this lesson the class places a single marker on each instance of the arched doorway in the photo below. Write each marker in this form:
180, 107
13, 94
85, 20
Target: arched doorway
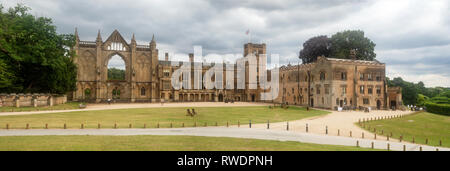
253, 98
378, 104
87, 93
220, 98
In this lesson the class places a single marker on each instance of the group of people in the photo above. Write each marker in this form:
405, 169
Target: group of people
414, 108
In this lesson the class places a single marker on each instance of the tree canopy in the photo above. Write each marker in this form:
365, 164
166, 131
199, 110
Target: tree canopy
116, 74
339, 46
314, 47
33, 57
418, 94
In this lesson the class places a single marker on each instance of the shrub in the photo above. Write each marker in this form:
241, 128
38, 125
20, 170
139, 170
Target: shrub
443, 109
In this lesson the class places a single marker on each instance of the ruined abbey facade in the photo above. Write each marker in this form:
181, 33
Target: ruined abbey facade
328, 83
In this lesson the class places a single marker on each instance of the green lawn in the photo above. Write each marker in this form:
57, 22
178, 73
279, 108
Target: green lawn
66, 106
421, 125
163, 117
156, 143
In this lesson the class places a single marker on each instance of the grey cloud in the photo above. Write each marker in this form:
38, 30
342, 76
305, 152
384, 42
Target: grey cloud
219, 25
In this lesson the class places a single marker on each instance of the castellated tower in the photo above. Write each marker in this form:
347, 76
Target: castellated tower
258, 50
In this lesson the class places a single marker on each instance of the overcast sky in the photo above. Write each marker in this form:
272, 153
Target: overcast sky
412, 37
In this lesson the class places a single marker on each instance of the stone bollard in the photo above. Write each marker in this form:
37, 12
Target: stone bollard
404, 147
268, 124
27, 126
46, 126
82, 126
357, 143
306, 127
65, 126
326, 130
99, 126
250, 123
388, 147
372, 145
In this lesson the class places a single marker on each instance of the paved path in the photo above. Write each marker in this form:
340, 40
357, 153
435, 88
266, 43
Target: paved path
254, 133
342, 122
91, 107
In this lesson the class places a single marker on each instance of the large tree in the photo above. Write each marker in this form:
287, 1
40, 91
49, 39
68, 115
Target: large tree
314, 47
338, 46
343, 42
33, 57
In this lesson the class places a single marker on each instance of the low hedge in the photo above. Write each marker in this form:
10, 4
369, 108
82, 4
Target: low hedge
443, 109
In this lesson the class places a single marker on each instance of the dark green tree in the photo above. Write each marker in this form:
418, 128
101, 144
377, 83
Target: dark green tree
116, 74
343, 42
37, 59
314, 47
338, 46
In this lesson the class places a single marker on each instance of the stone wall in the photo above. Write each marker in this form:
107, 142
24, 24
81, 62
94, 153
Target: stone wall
35, 100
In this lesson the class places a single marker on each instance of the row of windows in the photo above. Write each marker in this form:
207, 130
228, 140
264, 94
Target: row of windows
369, 89
370, 76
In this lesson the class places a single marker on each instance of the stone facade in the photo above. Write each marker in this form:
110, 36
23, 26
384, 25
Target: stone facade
147, 79
327, 83
331, 83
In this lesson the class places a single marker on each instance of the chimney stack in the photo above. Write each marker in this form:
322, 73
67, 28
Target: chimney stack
167, 56
191, 57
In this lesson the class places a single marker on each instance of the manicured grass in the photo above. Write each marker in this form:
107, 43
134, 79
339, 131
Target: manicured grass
157, 143
420, 126
163, 117
66, 106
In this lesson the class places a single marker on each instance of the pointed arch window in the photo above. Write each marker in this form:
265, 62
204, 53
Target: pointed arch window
142, 91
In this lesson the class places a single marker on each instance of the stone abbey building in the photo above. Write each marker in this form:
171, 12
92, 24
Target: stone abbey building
328, 83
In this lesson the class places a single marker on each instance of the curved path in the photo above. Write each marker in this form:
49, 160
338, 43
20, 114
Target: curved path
254, 133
